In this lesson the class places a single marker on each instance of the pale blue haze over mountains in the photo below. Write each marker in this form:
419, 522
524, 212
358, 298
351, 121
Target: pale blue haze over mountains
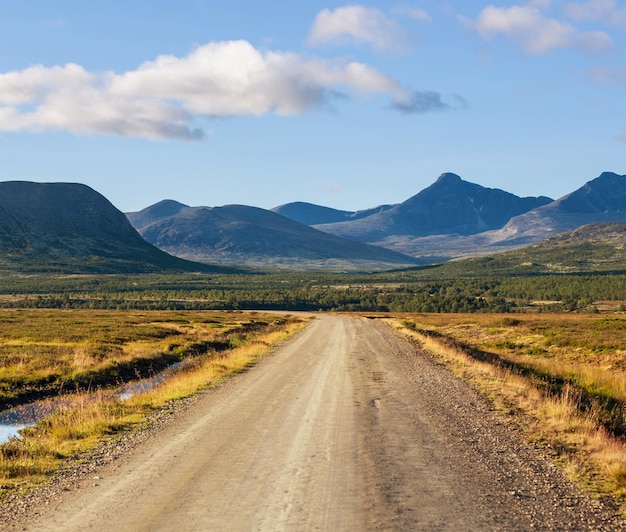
346, 105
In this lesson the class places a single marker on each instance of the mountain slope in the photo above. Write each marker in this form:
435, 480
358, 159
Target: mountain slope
253, 236
588, 249
600, 200
68, 227
448, 206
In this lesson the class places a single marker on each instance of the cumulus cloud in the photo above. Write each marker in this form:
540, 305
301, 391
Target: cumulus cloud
533, 31
164, 98
595, 10
358, 25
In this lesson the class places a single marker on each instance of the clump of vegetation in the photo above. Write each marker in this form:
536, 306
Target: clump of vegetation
449, 288
566, 375
85, 419
45, 353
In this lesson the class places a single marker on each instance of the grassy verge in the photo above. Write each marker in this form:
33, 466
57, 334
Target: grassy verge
86, 420
44, 353
561, 377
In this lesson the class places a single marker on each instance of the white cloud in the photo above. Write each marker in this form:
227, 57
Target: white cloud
533, 31
34, 82
595, 10
358, 25
164, 98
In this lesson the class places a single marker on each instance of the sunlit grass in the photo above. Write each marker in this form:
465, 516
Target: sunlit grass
43, 352
562, 418
86, 419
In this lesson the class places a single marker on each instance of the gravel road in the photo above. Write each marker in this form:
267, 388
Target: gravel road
345, 427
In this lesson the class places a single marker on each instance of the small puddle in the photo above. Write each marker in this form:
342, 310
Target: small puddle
133, 388
20, 417
11, 431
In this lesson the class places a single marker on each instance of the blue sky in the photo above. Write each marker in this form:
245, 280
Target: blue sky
348, 105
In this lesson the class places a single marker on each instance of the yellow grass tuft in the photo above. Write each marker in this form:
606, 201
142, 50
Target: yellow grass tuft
86, 419
584, 448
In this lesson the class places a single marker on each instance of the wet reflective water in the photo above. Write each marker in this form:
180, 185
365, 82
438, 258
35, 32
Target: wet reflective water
15, 419
133, 388
11, 431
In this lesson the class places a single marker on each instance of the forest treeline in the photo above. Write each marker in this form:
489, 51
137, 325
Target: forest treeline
416, 290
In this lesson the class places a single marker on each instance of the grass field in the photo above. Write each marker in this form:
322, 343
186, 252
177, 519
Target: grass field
561, 376
47, 352
85, 354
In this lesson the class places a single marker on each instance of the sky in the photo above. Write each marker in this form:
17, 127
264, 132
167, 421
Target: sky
347, 105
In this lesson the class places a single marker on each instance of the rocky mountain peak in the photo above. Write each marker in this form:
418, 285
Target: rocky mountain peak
604, 194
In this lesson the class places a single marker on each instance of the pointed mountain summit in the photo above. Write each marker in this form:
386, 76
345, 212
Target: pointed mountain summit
606, 193
452, 205
70, 228
449, 206
600, 200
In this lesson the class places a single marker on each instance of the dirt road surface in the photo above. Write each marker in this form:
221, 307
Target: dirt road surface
346, 427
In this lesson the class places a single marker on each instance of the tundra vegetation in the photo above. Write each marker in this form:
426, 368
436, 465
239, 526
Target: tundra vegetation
547, 344
439, 288
84, 356
561, 376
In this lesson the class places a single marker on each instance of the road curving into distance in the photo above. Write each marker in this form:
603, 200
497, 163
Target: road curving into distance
345, 427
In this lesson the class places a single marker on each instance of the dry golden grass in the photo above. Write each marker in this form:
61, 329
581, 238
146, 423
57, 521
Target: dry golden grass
87, 418
43, 351
571, 349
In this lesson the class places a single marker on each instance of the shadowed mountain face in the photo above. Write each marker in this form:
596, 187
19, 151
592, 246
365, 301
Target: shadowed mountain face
606, 193
452, 205
600, 200
449, 206
253, 236
69, 227
451, 218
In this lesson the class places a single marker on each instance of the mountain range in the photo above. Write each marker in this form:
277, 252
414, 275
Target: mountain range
454, 218
448, 206
68, 227
238, 234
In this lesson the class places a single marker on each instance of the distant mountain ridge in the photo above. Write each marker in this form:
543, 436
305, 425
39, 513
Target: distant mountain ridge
238, 234
600, 200
70, 228
451, 218
311, 214
448, 206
